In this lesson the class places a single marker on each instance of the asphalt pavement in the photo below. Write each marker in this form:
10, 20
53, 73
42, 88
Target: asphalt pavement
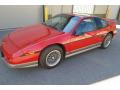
86, 68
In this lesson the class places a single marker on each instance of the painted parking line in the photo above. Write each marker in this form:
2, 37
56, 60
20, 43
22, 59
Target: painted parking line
118, 26
111, 81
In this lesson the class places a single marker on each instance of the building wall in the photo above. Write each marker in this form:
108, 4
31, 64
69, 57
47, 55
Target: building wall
54, 10
83, 9
100, 10
19, 16
118, 15
67, 8
58, 9
112, 11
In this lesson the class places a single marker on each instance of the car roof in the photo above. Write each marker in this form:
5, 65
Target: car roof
82, 15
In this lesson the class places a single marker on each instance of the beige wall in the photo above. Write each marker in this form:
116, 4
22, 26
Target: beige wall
112, 11
54, 9
105, 11
19, 16
57, 9
100, 9
119, 16
67, 8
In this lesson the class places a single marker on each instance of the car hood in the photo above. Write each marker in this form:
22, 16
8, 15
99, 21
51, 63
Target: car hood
31, 34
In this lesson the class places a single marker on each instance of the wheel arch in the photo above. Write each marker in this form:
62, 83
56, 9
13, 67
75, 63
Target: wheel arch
55, 44
111, 32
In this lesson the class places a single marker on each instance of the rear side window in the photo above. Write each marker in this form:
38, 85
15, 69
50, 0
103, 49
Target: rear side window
100, 23
104, 23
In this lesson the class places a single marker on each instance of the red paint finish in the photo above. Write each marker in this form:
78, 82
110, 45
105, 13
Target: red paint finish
32, 34
24, 45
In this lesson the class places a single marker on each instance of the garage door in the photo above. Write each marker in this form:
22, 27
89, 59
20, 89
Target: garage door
19, 16
83, 9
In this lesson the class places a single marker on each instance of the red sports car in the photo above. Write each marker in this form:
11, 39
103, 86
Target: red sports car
62, 36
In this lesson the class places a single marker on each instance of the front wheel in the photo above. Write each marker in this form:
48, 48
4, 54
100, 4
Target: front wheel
51, 57
107, 40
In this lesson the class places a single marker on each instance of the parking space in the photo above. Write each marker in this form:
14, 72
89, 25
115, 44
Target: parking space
86, 68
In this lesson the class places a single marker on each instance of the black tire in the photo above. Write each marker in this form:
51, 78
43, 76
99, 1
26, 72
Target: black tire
107, 41
48, 53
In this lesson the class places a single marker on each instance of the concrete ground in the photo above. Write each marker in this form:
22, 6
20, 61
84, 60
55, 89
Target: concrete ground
86, 68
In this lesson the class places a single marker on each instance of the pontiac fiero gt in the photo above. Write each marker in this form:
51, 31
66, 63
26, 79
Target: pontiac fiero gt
62, 36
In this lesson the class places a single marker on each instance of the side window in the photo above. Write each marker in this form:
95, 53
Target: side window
104, 23
86, 25
100, 23
71, 24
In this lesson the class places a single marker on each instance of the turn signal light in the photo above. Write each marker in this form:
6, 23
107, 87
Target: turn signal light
29, 53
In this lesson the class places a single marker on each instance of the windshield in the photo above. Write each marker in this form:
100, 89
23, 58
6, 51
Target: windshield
58, 22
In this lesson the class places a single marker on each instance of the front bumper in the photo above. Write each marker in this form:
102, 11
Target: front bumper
32, 63
23, 65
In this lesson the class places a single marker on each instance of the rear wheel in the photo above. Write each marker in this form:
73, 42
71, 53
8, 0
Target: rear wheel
51, 57
107, 40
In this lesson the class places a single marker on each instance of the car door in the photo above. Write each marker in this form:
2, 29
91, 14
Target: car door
83, 35
101, 30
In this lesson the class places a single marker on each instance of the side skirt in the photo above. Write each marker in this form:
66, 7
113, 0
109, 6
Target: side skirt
81, 50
